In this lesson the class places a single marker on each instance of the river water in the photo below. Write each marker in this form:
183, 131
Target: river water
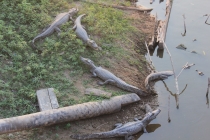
192, 120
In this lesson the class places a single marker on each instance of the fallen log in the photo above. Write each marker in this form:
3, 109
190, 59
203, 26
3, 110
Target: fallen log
122, 7
162, 29
66, 114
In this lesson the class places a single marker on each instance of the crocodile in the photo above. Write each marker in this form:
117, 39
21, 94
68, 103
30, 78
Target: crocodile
82, 34
59, 20
157, 76
110, 78
123, 130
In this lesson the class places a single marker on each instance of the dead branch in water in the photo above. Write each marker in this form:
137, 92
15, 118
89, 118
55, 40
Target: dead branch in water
207, 20
184, 26
151, 63
175, 77
120, 7
207, 93
182, 69
169, 119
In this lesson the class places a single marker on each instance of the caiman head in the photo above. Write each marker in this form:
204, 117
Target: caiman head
73, 11
151, 116
88, 62
93, 44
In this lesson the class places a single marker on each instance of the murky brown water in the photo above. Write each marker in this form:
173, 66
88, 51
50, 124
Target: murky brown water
192, 119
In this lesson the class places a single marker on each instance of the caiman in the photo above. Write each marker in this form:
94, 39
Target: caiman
123, 130
82, 34
157, 76
110, 78
59, 20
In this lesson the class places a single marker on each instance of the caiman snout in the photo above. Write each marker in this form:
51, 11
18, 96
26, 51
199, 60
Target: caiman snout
93, 45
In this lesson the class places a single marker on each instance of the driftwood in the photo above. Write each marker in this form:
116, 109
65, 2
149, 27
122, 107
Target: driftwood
66, 114
175, 77
121, 7
161, 28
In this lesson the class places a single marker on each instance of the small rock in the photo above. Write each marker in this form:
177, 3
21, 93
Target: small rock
194, 40
193, 52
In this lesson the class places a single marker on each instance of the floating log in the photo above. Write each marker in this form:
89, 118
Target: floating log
66, 114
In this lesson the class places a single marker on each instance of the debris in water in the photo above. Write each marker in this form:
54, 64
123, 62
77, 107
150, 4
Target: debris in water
208, 87
193, 52
184, 26
194, 40
207, 20
181, 46
169, 119
188, 66
200, 72
204, 53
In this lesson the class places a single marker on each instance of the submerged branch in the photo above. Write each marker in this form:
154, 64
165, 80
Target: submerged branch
150, 59
184, 27
207, 20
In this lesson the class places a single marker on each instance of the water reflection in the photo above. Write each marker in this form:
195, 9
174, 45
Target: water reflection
176, 96
150, 128
160, 52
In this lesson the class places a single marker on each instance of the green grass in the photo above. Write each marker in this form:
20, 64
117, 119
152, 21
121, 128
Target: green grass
23, 70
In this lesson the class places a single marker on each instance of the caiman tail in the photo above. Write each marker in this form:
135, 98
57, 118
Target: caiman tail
33, 45
102, 135
135, 90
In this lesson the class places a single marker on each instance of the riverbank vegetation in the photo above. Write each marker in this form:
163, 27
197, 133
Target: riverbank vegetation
23, 70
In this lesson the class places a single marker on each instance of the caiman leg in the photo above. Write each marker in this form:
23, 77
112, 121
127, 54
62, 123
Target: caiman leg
110, 81
129, 137
71, 19
45, 28
58, 30
145, 130
118, 125
164, 77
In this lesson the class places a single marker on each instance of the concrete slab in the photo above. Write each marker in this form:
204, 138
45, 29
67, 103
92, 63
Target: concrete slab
47, 99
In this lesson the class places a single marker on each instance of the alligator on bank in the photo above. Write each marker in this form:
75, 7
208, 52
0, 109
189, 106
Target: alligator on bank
110, 78
82, 34
126, 130
156, 76
59, 20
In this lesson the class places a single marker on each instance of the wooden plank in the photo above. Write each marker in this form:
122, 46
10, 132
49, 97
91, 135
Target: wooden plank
43, 99
53, 98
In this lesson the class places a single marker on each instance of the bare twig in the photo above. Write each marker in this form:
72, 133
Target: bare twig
184, 26
150, 59
182, 70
